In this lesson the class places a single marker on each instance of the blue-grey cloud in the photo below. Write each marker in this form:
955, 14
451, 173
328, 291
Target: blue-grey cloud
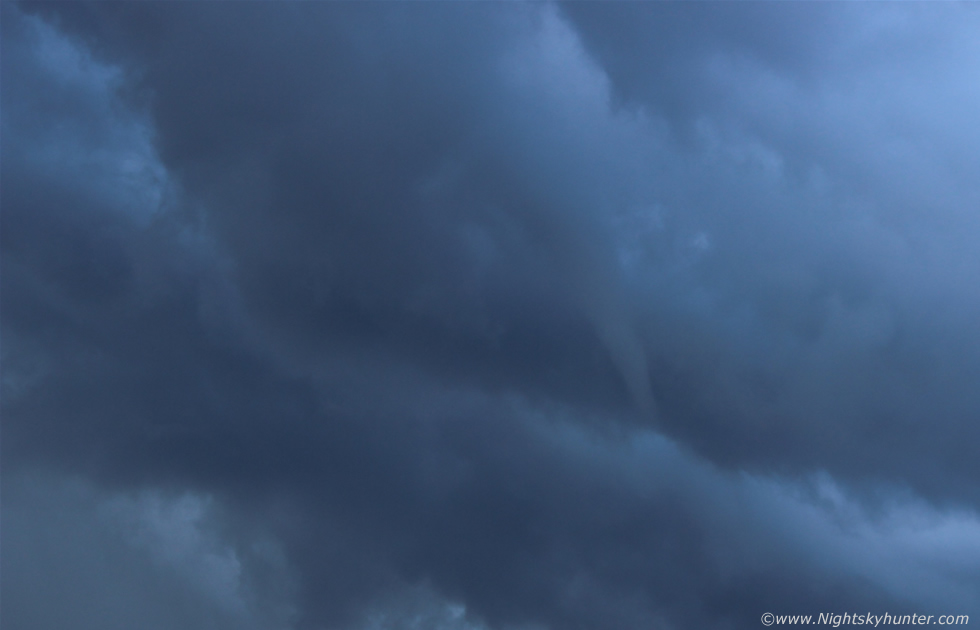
488, 316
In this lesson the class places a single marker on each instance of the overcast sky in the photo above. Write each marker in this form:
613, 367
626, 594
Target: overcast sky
488, 316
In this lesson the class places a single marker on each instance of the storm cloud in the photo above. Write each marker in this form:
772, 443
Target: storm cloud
488, 316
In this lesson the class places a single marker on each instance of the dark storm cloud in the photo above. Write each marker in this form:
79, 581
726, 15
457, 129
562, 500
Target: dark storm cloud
381, 315
412, 200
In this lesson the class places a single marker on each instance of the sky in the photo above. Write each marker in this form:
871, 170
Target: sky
488, 316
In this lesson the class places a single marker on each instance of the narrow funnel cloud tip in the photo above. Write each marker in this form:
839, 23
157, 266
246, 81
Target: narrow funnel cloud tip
628, 353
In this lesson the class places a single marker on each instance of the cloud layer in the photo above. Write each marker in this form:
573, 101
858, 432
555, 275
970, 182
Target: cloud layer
488, 316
